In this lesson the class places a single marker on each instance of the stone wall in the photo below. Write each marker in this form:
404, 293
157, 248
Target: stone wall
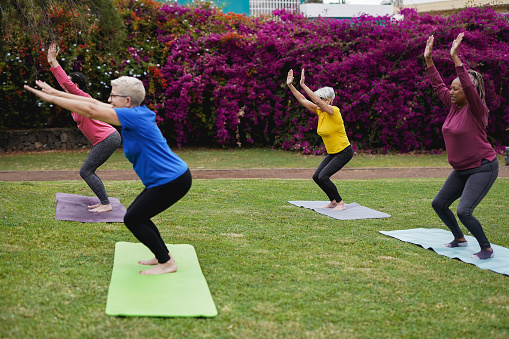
42, 140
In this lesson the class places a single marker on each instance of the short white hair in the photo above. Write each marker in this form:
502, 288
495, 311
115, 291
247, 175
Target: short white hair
326, 93
131, 87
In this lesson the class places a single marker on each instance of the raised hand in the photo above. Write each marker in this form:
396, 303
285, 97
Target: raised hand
456, 44
289, 78
302, 78
429, 47
53, 53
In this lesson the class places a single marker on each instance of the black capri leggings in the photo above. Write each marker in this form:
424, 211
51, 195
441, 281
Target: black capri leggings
471, 185
149, 203
330, 165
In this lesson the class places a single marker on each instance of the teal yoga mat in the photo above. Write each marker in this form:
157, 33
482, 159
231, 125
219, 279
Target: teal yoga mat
434, 238
184, 293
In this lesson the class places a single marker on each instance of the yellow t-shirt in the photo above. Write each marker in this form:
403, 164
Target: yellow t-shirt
332, 130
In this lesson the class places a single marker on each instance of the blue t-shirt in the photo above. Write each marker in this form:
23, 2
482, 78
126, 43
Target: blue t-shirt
146, 148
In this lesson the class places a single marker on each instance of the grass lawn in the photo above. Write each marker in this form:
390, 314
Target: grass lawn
274, 270
208, 158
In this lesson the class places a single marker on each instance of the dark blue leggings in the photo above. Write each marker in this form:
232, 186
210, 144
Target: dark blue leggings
149, 203
330, 165
471, 185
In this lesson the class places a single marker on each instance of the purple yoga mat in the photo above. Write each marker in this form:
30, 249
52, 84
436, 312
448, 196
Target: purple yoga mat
74, 207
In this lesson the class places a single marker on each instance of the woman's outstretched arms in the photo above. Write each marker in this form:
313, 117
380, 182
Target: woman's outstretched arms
89, 109
428, 51
298, 95
52, 91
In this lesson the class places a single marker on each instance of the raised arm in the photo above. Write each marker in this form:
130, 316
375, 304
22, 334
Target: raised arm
318, 101
89, 109
298, 95
454, 50
428, 51
439, 87
59, 73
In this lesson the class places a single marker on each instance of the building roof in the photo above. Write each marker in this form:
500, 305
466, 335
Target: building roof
451, 6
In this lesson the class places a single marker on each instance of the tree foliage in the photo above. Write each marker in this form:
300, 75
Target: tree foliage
36, 20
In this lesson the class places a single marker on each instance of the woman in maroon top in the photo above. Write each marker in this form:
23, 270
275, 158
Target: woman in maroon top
474, 162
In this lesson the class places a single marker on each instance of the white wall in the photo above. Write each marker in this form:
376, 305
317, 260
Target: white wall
344, 11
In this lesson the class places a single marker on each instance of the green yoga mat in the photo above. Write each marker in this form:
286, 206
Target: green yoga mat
184, 293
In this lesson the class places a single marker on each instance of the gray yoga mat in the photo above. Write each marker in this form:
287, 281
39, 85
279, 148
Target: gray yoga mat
434, 238
74, 207
353, 211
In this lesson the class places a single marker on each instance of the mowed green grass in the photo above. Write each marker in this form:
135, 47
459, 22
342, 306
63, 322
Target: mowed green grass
209, 158
274, 270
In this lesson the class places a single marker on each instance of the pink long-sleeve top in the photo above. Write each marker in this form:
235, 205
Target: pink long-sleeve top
464, 129
94, 130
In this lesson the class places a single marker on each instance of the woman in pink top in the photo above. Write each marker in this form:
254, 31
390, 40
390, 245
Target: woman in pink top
105, 138
474, 162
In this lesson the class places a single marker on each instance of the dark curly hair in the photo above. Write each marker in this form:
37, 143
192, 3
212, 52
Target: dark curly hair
80, 80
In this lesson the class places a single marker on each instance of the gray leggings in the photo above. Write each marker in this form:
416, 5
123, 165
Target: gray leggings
471, 185
98, 156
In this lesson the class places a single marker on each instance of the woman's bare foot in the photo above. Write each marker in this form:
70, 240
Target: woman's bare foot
152, 261
100, 208
168, 267
332, 204
340, 206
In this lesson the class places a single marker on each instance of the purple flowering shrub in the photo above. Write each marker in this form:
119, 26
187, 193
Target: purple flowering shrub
223, 66
220, 79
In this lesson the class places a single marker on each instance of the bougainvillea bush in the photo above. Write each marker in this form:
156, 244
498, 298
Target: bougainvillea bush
220, 79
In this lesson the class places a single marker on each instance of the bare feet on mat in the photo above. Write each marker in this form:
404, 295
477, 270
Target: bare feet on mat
340, 206
332, 204
168, 267
152, 261
98, 208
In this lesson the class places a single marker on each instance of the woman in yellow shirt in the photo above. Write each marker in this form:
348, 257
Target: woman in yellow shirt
332, 130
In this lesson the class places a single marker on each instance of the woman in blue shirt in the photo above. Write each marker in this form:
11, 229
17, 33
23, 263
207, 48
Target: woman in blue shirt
166, 177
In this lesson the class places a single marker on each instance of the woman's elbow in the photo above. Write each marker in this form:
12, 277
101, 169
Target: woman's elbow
93, 112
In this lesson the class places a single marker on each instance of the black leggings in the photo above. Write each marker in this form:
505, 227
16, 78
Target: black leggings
471, 185
330, 165
150, 202
98, 156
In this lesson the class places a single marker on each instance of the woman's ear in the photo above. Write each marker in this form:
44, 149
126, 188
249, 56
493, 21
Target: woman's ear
128, 102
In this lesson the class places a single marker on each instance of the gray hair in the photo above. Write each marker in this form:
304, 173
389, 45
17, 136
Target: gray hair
131, 87
326, 93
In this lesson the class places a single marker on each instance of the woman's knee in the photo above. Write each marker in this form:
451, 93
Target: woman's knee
464, 213
315, 178
131, 220
437, 205
85, 172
